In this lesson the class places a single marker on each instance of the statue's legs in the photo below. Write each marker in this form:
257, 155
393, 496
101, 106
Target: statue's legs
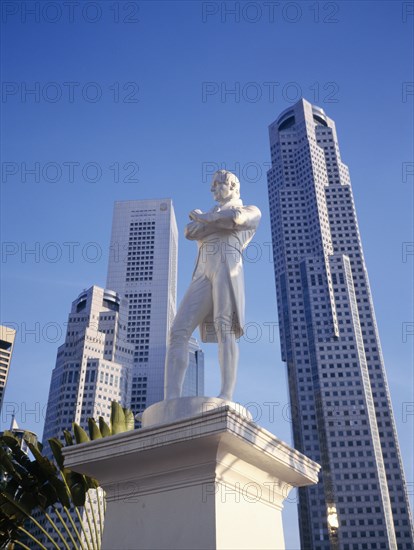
228, 359
224, 316
195, 306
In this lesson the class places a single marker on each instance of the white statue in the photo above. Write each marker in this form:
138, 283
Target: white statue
215, 298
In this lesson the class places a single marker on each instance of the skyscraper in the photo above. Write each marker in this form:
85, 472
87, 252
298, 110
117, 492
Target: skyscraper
93, 366
342, 414
143, 269
7, 336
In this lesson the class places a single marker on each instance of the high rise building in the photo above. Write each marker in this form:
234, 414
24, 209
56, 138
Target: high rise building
342, 414
93, 366
143, 269
7, 337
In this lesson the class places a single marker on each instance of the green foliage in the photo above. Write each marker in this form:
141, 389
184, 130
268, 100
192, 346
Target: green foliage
30, 485
94, 431
122, 420
47, 486
117, 418
129, 420
104, 428
56, 447
68, 437
80, 435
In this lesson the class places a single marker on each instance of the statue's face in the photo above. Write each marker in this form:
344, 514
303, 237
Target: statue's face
222, 190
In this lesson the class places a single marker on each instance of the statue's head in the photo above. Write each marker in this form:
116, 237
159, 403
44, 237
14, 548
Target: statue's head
225, 186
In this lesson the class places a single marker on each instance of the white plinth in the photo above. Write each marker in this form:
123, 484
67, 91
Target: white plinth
213, 481
165, 412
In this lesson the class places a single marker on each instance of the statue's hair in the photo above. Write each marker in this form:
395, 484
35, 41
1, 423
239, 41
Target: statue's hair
229, 177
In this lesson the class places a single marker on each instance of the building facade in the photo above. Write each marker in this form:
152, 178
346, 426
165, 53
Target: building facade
7, 337
342, 413
143, 269
93, 366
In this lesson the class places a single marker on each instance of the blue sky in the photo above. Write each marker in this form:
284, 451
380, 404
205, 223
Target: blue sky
147, 101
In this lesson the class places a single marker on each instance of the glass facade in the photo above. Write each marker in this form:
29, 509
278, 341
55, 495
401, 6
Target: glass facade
340, 401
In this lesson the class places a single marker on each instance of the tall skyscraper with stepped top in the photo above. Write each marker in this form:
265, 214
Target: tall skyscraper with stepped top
93, 366
143, 269
342, 413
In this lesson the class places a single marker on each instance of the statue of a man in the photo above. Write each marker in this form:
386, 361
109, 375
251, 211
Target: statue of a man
215, 298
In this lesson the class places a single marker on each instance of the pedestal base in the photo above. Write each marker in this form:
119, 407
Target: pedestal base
213, 481
172, 410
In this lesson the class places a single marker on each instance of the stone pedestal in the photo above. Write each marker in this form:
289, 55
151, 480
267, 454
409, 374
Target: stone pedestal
212, 481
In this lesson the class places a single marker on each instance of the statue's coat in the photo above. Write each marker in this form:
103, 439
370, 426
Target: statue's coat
222, 240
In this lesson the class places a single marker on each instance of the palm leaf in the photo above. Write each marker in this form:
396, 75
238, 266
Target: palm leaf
129, 420
104, 428
117, 418
94, 431
56, 447
68, 437
80, 435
